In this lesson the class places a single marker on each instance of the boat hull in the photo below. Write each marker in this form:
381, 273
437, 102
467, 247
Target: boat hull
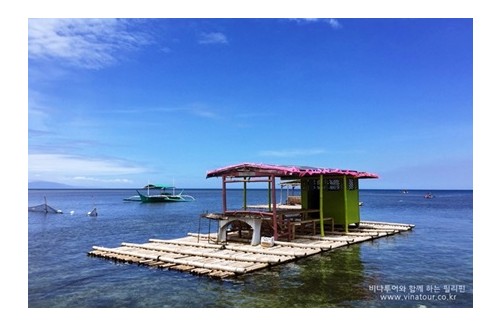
164, 198
132, 198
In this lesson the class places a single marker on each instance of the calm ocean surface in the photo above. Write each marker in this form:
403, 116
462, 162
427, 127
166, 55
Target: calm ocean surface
431, 266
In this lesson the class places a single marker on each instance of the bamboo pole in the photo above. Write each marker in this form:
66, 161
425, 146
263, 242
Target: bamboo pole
275, 215
356, 234
386, 223
346, 225
201, 271
321, 206
220, 274
238, 248
183, 261
376, 230
383, 223
381, 228
269, 194
255, 267
210, 237
326, 238
244, 193
127, 253
186, 243
268, 251
304, 245
224, 202
218, 255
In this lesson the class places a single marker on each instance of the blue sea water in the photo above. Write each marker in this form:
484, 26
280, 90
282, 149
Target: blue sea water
430, 266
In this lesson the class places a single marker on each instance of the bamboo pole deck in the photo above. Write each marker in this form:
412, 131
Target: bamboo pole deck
199, 254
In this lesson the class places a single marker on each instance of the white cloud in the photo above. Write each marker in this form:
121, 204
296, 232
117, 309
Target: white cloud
195, 109
292, 152
334, 23
85, 43
37, 119
203, 113
166, 49
212, 38
61, 167
120, 181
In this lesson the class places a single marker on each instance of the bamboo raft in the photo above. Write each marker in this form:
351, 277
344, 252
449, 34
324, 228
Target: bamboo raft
199, 254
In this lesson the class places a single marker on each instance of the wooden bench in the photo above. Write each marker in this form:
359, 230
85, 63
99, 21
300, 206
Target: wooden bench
294, 224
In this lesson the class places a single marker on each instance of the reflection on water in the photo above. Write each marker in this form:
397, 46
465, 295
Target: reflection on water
325, 280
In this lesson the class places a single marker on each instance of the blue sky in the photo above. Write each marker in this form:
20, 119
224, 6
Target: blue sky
118, 103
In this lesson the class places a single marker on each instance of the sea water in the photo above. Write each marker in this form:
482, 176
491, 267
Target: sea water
430, 266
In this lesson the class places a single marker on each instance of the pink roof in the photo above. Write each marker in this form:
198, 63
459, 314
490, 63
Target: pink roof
254, 169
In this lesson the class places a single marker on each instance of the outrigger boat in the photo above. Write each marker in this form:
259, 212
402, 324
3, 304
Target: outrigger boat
167, 194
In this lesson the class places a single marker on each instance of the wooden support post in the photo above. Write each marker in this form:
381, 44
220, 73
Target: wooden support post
269, 200
245, 193
321, 206
346, 225
358, 208
224, 202
281, 194
273, 196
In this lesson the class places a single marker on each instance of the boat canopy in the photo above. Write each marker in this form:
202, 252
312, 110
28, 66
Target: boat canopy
291, 171
158, 186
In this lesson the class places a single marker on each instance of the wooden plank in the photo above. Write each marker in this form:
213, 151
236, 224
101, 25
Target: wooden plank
203, 265
171, 254
285, 250
182, 268
212, 238
371, 233
361, 239
200, 271
256, 266
375, 230
387, 224
155, 263
312, 246
259, 258
297, 251
166, 265
186, 243
343, 239
134, 260
133, 255
336, 244
221, 254
197, 255
255, 249
220, 274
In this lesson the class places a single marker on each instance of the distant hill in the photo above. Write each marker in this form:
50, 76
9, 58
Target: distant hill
47, 185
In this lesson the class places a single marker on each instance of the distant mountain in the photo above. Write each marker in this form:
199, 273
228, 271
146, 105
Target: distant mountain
47, 185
